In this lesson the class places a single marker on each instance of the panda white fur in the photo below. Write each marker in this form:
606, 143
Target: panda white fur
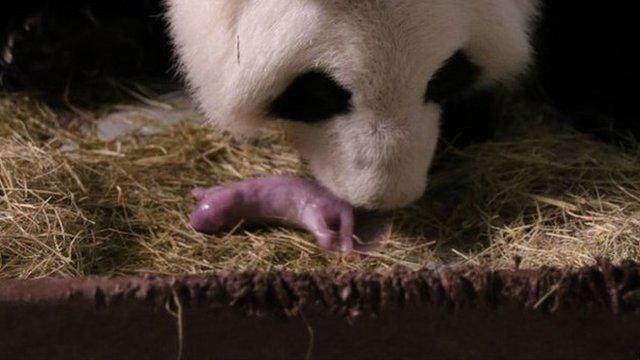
356, 84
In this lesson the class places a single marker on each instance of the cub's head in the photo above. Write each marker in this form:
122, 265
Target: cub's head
356, 84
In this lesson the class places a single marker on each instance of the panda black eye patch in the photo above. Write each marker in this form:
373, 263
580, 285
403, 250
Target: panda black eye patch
312, 97
457, 75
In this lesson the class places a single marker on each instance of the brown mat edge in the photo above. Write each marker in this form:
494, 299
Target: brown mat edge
603, 287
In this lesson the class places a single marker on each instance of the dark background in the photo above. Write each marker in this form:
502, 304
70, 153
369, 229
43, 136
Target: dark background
56, 42
584, 54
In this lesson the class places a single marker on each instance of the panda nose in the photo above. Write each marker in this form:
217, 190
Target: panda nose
393, 199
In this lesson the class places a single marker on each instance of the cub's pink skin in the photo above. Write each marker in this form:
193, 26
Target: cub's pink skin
285, 199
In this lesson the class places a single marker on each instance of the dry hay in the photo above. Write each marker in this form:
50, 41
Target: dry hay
73, 205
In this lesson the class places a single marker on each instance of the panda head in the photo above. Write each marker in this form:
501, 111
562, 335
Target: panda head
349, 81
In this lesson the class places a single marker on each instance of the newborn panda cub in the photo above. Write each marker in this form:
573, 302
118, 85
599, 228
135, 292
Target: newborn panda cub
285, 200
357, 86
292, 201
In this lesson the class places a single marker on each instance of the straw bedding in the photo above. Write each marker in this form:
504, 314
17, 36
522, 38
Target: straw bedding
73, 205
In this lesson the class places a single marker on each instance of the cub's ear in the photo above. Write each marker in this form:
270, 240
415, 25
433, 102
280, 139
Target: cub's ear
200, 193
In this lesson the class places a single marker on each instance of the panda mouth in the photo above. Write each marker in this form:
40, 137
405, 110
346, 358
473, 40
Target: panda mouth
372, 229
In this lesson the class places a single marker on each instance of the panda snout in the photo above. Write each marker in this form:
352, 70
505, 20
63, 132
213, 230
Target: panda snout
395, 197
379, 192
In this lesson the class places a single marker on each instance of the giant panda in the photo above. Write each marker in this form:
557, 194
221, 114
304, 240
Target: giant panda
358, 86
364, 88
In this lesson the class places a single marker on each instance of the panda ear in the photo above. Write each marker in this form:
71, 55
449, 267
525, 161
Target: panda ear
311, 97
457, 75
